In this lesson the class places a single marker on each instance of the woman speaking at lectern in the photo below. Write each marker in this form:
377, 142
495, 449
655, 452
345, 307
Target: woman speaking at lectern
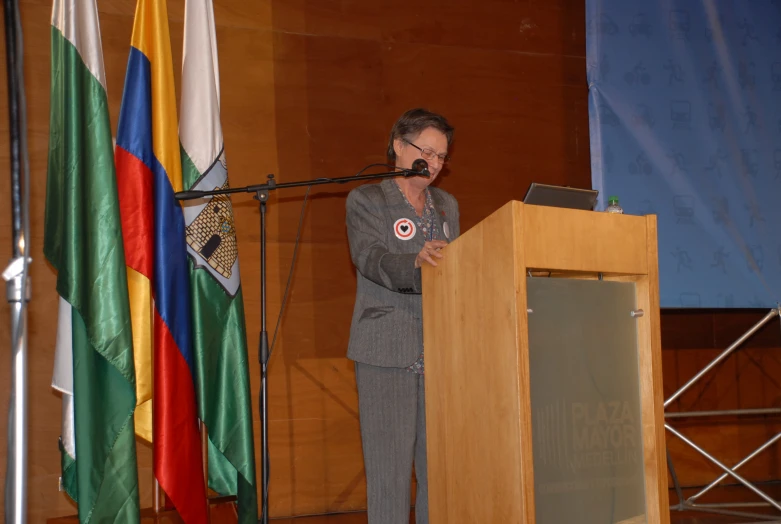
394, 228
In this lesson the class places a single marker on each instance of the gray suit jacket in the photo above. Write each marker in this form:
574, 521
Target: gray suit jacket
387, 326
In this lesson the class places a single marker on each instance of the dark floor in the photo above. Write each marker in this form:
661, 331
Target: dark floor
723, 495
225, 513
676, 517
360, 518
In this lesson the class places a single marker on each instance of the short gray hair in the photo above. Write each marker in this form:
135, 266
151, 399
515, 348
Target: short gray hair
414, 122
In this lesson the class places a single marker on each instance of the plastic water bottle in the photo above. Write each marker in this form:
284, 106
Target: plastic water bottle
613, 206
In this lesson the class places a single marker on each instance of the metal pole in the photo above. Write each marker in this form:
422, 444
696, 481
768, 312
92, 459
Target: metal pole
756, 452
733, 505
205, 459
678, 490
263, 356
705, 454
16, 476
698, 507
159, 504
772, 314
16, 275
724, 412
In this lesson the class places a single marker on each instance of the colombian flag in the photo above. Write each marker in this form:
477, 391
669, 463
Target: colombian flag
149, 172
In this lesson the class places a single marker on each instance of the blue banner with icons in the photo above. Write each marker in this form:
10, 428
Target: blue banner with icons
685, 123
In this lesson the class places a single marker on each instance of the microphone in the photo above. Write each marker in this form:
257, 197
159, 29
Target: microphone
189, 195
420, 167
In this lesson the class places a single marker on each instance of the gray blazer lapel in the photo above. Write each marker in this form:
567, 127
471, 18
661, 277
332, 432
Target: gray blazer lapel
445, 230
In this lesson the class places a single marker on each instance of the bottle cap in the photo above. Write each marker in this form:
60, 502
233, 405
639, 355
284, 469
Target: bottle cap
612, 200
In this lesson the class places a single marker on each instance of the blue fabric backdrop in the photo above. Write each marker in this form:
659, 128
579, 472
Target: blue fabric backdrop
685, 123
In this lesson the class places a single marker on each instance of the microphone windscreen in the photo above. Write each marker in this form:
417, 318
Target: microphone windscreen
421, 166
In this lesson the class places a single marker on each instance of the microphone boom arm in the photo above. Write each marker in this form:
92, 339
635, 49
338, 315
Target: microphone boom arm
272, 184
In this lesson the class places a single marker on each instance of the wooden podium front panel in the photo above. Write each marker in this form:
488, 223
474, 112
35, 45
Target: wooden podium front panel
473, 392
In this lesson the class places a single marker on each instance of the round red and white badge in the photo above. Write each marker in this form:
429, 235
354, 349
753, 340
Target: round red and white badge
404, 229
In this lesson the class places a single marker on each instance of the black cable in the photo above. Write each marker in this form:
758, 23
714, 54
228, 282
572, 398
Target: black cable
11, 7
264, 368
25, 158
290, 273
295, 253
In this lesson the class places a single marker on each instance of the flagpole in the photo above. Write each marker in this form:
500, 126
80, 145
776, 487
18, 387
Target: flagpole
261, 192
159, 496
205, 459
16, 274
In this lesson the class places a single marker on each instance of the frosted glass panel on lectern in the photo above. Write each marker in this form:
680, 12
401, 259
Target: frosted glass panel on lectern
585, 398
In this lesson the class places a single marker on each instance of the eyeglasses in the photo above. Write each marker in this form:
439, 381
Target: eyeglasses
428, 153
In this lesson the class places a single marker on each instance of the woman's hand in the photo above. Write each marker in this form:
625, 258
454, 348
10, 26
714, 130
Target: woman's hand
429, 252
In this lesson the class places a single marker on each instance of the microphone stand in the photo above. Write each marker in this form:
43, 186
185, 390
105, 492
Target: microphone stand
261, 195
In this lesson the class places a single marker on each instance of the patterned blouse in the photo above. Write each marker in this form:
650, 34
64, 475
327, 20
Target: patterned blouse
427, 225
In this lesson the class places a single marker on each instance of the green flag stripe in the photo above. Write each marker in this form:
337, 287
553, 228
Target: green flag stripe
83, 241
106, 470
68, 466
223, 386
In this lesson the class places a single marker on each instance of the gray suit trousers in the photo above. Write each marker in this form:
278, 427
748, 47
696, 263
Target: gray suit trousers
392, 407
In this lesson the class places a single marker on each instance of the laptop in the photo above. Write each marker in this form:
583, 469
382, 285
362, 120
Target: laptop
558, 196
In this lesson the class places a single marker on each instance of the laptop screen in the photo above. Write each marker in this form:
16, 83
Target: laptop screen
558, 196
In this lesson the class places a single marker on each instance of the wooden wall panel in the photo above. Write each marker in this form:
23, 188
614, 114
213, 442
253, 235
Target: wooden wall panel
513, 84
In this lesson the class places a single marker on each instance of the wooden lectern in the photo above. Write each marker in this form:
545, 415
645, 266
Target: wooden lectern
543, 371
